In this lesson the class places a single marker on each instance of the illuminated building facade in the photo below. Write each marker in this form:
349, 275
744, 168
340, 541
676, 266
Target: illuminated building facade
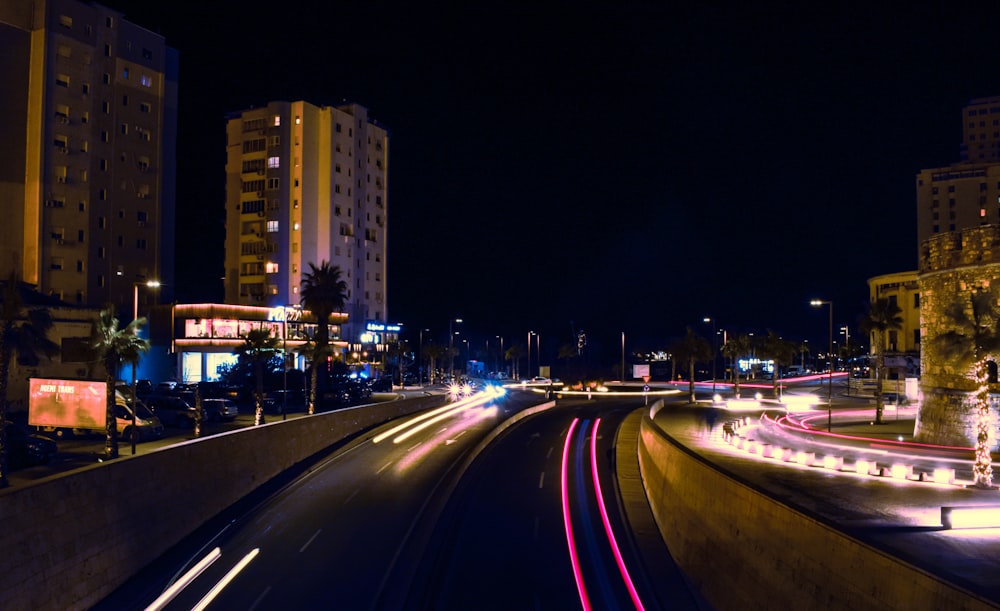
307, 184
199, 338
902, 346
87, 166
965, 194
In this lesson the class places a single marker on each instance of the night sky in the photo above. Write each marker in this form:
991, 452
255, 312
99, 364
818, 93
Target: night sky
604, 166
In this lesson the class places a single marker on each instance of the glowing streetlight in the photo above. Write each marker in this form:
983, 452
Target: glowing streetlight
829, 406
714, 351
153, 284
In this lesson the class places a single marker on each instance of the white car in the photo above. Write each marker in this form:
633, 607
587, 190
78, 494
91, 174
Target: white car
537, 381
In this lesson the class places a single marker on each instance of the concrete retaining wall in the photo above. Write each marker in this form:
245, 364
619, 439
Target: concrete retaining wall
744, 550
69, 540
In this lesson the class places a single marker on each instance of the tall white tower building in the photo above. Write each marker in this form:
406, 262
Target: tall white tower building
307, 184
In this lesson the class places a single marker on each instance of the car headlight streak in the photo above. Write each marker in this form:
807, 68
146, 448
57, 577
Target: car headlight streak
434, 416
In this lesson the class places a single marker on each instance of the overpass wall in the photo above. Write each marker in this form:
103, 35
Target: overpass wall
70, 540
741, 549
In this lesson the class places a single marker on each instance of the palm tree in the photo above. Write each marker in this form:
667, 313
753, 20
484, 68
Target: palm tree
974, 338
737, 347
882, 316
258, 347
803, 350
113, 346
781, 352
692, 348
514, 354
24, 333
323, 293
432, 353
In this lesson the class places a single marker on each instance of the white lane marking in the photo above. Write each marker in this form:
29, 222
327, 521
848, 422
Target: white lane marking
231, 575
311, 539
541, 480
549, 453
414, 447
384, 467
169, 594
257, 601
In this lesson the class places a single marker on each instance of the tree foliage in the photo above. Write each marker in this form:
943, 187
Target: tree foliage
22, 333
882, 316
112, 346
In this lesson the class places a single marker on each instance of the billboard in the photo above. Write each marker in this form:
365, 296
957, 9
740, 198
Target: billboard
78, 404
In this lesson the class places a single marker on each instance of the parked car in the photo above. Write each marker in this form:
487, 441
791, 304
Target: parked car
25, 449
219, 410
172, 411
383, 384
147, 425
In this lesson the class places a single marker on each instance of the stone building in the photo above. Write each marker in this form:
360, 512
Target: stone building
952, 266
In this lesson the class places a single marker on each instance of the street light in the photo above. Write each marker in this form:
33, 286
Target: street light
530, 333
623, 357
420, 353
153, 284
829, 406
715, 354
503, 362
451, 346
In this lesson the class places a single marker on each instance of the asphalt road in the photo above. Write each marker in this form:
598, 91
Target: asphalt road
530, 527
334, 537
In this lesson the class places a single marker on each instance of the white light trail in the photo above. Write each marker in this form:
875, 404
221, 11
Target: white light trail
231, 575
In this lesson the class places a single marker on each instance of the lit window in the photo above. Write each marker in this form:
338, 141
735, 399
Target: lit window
272, 226
125, 73
271, 268
298, 119
146, 81
296, 226
274, 162
277, 120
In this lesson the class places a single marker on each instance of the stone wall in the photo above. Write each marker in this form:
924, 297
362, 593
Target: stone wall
952, 265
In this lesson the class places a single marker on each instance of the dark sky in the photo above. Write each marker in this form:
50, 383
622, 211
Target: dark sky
604, 166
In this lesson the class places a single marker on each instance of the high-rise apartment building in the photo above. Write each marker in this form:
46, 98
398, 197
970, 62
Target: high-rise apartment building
87, 166
307, 184
964, 194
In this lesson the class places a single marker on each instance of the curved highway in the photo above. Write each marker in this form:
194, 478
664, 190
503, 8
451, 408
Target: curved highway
538, 525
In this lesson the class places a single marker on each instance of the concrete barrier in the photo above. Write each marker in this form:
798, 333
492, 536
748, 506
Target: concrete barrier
70, 540
741, 549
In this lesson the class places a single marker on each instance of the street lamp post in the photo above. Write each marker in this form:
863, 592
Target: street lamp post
451, 347
623, 357
829, 405
530, 333
420, 354
153, 284
503, 363
714, 351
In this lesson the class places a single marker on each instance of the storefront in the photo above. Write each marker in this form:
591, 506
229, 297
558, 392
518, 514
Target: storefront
203, 337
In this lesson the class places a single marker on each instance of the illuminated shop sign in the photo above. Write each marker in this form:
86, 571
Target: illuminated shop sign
381, 326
